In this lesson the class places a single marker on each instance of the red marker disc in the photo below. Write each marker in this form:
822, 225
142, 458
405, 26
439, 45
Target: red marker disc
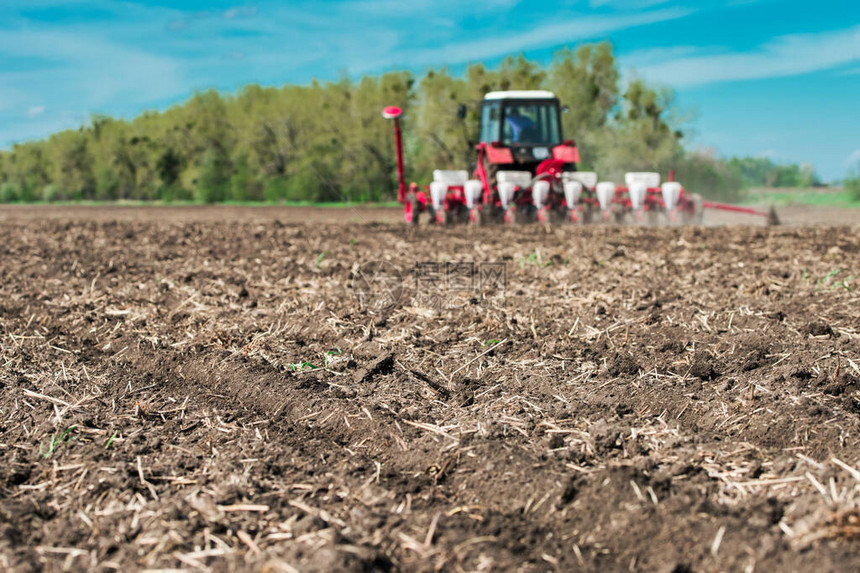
391, 112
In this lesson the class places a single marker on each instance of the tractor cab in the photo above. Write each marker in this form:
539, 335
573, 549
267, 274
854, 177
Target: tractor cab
526, 124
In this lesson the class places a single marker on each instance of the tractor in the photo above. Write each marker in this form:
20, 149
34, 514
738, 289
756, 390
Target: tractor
525, 170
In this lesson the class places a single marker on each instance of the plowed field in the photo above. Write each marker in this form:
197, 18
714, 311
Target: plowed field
282, 390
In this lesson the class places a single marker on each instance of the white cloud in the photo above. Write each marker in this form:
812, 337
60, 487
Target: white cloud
559, 32
97, 70
627, 4
35, 111
240, 12
383, 8
784, 56
853, 160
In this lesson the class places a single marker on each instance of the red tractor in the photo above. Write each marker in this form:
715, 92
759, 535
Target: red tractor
526, 171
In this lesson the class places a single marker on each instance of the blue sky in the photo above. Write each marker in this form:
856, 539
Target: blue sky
775, 78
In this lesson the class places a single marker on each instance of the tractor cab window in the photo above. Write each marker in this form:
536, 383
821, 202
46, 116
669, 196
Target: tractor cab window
491, 117
531, 124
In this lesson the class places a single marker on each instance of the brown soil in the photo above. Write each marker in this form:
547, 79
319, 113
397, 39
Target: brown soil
231, 389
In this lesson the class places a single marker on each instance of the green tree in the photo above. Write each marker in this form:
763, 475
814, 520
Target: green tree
763, 172
852, 185
9, 193
213, 183
243, 187
705, 174
518, 73
642, 137
107, 184
586, 82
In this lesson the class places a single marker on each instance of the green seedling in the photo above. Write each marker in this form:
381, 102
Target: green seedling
536, 260
353, 242
491, 342
56, 442
319, 259
329, 354
824, 280
843, 283
299, 366
111, 439
531, 259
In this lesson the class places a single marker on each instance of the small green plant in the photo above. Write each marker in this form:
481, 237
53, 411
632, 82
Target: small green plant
844, 283
830, 280
319, 259
327, 356
57, 441
299, 366
491, 342
826, 278
353, 242
111, 439
536, 260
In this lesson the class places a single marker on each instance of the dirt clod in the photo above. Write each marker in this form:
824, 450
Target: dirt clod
623, 364
382, 365
817, 328
703, 367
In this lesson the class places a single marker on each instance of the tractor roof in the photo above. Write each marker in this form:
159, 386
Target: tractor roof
520, 94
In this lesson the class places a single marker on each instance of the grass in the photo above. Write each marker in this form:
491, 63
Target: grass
813, 197
834, 282
537, 260
56, 442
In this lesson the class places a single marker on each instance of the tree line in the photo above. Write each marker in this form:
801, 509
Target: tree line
327, 142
